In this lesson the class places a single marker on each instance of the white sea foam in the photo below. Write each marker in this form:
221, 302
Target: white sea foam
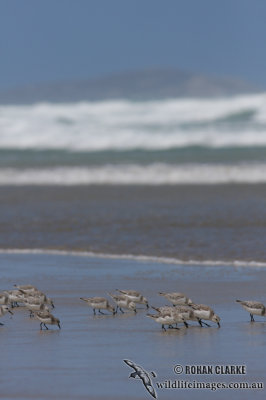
141, 258
152, 174
88, 126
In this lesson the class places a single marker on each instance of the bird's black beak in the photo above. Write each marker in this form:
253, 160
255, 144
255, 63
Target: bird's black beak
147, 305
59, 326
218, 323
10, 312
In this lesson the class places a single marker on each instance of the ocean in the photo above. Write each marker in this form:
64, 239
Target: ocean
176, 178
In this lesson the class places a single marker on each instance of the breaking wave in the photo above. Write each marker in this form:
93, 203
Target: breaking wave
124, 125
152, 174
140, 258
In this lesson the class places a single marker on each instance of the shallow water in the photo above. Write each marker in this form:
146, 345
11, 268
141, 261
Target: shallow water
85, 359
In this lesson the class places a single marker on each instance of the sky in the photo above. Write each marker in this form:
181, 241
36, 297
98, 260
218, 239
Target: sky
45, 41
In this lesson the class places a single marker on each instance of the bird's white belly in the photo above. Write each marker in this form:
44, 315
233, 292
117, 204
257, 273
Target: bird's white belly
255, 311
202, 314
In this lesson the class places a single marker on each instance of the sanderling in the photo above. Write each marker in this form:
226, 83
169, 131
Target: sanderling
205, 312
254, 308
167, 318
34, 304
123, 301
3, 298
14, 297
135, 296
47, 318
26, 288
176, 298
98, 303
188, 314
3, 310
165, 310
36, 294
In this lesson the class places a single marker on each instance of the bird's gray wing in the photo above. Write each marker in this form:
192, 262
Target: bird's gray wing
150, 389
253, 304
141, 372
147, 383
132, 365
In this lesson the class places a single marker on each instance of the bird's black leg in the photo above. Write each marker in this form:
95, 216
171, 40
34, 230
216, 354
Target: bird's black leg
205, 323
200, 322
163, 328
121, 310
252, 318
116, 310
94, 312
45, 326
41, 326
175, 327
100, 312
186, 324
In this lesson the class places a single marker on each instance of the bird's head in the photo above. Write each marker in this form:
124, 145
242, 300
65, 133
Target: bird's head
216, 319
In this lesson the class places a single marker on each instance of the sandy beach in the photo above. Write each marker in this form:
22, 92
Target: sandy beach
85, 358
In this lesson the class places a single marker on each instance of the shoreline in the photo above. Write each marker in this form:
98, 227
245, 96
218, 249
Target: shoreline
141, 258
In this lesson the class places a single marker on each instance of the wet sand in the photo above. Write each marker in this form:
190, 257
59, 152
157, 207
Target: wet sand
85, 359
187, 222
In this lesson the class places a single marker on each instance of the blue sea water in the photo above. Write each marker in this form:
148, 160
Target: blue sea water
172, 141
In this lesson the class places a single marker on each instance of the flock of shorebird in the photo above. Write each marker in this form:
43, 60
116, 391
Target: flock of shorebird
33, 299
182, 308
